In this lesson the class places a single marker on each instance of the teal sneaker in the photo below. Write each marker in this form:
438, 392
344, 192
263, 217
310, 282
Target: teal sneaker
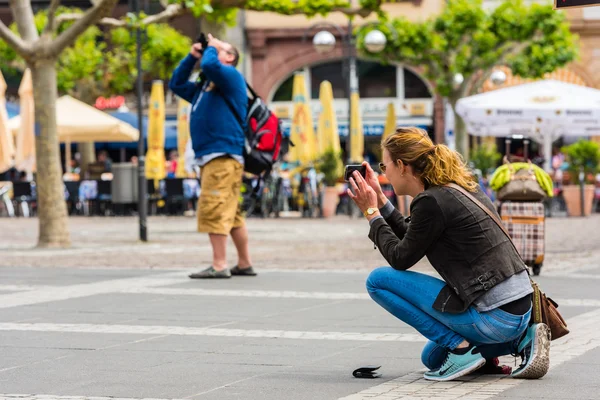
534, 349
457, 365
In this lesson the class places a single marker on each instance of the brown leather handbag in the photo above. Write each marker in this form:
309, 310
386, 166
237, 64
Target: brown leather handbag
544, 309
523, 185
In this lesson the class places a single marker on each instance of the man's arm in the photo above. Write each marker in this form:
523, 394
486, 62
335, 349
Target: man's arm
224, 76
425, 228
179, 83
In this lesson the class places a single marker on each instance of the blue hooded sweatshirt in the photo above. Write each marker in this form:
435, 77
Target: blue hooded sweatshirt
213, 127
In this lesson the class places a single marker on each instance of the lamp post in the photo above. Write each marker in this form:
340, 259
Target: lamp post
324, 41
142, 182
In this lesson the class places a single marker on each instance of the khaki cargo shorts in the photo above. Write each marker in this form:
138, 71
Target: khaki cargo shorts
219, 209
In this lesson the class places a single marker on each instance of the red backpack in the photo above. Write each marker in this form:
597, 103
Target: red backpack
265, 142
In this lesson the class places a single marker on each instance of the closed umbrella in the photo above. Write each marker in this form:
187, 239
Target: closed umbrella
357, 137
25, 149
183, 136
7, 149
327, 128
155, 156
390, 121
302, 129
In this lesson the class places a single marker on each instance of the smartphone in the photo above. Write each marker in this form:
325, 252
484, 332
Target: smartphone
351, 168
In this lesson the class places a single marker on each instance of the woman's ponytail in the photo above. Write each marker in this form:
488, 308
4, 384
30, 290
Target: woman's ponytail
445, 166
436, 165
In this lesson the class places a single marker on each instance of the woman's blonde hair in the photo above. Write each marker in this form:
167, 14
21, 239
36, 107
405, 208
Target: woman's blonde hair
436, 165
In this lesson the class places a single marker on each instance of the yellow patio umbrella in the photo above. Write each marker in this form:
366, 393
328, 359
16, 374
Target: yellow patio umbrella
302, 129
357, 137
7, 149
155, 156
390, 121
327, 128
183, 136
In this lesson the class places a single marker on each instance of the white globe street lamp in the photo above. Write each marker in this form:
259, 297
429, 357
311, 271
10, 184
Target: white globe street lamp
498, 77
458, 79
324, 41
375, 41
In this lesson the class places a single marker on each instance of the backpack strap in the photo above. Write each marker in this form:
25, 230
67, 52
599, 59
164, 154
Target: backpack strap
228, 102
252, 90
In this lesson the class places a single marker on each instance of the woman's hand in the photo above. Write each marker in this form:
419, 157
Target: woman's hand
373, 182
364, 196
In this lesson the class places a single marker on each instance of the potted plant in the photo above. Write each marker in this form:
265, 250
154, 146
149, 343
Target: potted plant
583, 154
330, 165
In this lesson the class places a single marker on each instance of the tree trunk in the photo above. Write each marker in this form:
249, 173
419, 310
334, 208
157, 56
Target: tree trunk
460, 132
52, 210
88, 155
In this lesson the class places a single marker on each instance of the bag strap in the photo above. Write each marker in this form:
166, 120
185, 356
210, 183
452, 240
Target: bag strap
228, 102
485, 209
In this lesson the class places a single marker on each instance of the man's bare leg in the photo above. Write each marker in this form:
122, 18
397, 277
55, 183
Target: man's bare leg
240, 239
219, 247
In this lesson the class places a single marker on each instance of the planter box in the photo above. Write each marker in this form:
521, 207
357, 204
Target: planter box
572, 196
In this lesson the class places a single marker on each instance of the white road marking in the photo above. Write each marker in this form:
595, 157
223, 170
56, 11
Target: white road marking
194, 331
57, 293
50, 397
23, 288
292, 294
583, 338
286, 294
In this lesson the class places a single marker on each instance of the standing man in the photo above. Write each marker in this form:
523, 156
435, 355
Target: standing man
218, 143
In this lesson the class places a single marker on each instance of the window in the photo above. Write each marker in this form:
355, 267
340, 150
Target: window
284, 91
376, 80
331, 72
414, 87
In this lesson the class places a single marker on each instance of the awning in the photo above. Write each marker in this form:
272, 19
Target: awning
78, 122
132, 119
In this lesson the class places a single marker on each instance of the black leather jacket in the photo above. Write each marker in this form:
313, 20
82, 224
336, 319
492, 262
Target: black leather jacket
460, 240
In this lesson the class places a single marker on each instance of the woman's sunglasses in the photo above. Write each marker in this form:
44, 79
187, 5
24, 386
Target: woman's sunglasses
383, 166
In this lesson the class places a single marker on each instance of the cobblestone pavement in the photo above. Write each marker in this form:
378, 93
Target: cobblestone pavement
112, 318
100, 334
290, 243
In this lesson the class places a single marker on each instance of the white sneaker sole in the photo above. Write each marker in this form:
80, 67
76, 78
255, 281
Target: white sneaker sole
473, 367
540, 355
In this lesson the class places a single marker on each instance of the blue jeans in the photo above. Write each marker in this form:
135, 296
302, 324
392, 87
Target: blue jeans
409, 296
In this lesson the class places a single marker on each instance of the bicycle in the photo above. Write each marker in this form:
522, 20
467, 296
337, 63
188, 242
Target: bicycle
6, 201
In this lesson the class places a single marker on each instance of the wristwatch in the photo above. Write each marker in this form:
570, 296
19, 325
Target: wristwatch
370, 211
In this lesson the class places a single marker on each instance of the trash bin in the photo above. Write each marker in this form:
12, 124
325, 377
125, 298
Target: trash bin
124, 183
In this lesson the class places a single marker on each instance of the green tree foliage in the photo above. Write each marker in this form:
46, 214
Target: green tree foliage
466, 39
583, 154
102, 62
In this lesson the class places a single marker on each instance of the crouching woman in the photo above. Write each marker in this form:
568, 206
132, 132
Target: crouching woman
482, 307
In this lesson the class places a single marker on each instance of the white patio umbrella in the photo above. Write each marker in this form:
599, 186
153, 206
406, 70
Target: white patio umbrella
543, 111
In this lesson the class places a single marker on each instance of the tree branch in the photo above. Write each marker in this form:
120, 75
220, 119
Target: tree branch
50, 25
454, 54
513, 49
89, 18
16, 43
176, 9
114, 22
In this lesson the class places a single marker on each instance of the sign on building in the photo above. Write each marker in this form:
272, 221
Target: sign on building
560, 4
